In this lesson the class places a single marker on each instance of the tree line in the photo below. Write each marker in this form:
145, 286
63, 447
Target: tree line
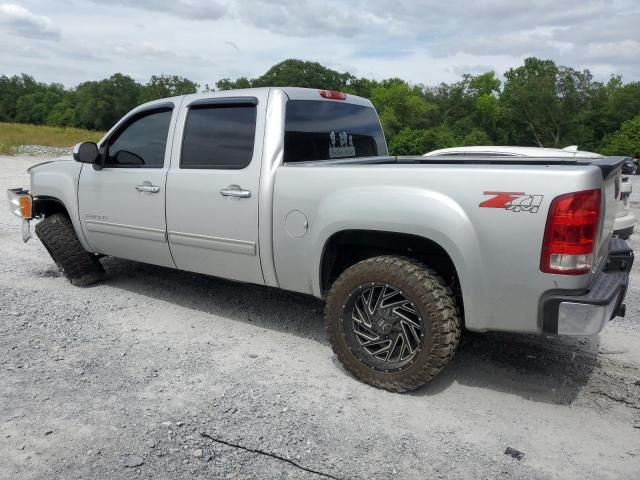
539, 103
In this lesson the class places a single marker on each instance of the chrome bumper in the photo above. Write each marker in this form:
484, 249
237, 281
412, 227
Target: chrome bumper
589, 313
585, 319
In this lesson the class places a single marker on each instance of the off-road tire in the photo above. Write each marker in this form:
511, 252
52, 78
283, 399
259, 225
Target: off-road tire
59, 238
434, 301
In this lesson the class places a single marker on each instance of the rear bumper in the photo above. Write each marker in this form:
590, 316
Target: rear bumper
588, 313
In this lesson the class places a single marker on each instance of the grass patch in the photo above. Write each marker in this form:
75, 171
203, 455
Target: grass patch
12, 135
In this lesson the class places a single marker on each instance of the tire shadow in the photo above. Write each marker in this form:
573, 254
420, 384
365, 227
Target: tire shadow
535, 367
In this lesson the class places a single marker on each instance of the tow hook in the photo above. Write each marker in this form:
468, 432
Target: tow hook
26, 230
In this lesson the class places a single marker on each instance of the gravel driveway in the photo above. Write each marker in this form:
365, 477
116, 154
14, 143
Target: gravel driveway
156, 373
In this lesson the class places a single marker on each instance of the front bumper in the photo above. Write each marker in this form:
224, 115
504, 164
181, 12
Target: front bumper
588, 313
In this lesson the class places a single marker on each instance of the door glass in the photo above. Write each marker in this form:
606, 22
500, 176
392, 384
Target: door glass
219, 137
142, 142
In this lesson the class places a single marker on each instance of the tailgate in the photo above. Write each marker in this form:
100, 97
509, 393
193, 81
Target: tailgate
611, 173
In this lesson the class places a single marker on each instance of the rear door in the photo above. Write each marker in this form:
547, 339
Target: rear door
122, 205
213, 186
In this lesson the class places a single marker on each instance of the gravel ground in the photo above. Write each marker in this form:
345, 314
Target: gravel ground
156, 373
42, 150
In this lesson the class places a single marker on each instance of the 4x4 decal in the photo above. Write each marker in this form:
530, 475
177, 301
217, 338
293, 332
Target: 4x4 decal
513, 201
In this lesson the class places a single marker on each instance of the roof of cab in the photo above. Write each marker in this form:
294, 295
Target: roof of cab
294, 93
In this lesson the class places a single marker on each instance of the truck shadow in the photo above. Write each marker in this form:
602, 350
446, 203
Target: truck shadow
546, 369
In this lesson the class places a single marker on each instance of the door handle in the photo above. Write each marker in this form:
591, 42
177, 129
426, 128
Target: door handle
235, 191
147, 187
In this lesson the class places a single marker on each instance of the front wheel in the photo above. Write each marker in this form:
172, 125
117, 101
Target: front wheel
392, 322
58, 236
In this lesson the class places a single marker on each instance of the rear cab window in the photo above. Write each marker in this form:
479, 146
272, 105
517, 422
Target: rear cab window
326, 130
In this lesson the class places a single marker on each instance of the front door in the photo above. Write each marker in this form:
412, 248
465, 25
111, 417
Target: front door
122, 205
212, 188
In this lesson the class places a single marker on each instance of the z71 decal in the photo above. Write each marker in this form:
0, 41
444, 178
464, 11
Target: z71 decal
513, 201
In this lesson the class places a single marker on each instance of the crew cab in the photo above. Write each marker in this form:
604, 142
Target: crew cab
294, 189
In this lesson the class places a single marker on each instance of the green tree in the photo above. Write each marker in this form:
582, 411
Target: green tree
293, 73
400, 105
11, 90
408, 141
529, 97
612, 103
63, 113
298, 73
544, 102
625, 141
540, 103
468, 104
101, 104
35, 107
226, 84
163, 86
476, 136
453, 105
413, 141
363, 87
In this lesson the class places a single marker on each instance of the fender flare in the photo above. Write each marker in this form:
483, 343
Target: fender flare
40, 204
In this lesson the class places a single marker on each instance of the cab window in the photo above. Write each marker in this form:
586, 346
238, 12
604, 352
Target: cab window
219, 137
323, 130
141, 143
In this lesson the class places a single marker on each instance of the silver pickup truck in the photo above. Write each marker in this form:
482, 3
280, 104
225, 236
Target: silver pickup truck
294, 189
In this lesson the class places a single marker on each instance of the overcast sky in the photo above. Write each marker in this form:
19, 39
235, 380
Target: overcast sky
423, 41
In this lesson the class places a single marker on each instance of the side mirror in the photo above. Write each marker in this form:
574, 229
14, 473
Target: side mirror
85, 152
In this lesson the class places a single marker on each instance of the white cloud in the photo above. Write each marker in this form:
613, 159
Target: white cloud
193, 9
22, 22
423, 41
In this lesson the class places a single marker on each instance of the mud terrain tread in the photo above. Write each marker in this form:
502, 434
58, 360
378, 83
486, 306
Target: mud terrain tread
435, 299
58, 236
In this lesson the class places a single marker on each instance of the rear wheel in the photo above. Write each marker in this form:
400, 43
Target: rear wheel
59, 238
392, 322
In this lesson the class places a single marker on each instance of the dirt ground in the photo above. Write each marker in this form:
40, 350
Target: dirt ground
156, 373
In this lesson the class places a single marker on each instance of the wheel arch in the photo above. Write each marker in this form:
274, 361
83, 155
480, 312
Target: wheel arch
347, 247
45, 205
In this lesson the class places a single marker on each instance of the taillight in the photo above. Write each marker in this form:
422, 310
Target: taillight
332, 94
571, 233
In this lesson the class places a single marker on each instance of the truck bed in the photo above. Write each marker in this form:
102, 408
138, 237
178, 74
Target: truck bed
496, 251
